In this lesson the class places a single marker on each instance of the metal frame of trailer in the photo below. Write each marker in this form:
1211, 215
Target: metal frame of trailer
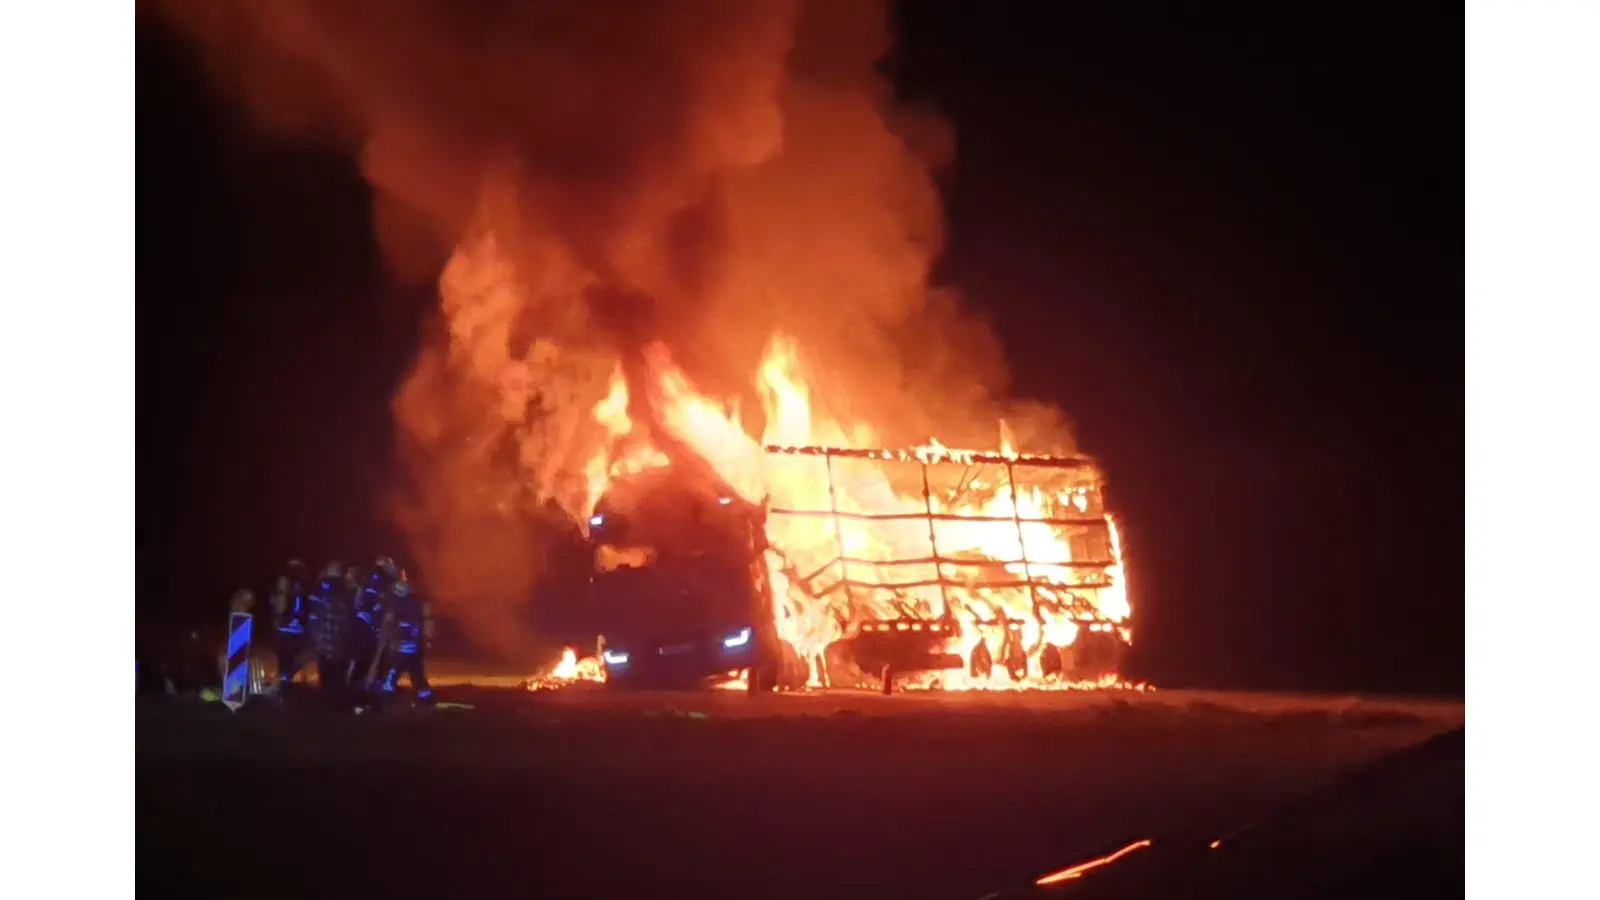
898, 644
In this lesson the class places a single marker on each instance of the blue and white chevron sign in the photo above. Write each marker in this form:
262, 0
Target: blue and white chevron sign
236, 677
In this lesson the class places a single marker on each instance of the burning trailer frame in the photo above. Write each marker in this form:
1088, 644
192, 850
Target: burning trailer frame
995, 560
928, 567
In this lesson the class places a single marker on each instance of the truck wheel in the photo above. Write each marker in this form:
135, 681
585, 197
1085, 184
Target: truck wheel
982, 661
1050, 660
791, 672
1118, 654
1092, 656
1017, 662
762, 679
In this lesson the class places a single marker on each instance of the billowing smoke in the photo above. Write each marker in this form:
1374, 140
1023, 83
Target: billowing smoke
598, 176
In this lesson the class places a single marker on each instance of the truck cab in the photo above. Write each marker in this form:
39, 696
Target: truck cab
679, 584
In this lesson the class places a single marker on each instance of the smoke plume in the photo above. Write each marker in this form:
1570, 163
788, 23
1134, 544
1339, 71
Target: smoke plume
599, 176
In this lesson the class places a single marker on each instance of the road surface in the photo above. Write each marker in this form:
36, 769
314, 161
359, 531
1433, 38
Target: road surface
584, 792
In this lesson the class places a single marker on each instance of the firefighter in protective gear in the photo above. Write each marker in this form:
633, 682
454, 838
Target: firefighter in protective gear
371, 593
385, 572
408, 625
291, 613
331, 611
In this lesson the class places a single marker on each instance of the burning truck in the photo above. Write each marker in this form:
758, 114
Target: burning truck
748, 176
797, 561
922, 568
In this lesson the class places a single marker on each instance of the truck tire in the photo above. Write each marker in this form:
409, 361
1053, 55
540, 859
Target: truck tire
1016, 661
1013, 656
763, 679
792, 673
981, 664
1050, 661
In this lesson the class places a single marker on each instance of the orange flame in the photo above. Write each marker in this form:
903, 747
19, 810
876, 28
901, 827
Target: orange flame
569, 670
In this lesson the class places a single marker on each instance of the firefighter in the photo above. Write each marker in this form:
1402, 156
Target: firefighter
330, 630
384, 575
370, 595
291, 613
407, 627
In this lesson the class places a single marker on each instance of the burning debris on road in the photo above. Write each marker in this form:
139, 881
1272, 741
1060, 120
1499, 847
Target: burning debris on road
570, 670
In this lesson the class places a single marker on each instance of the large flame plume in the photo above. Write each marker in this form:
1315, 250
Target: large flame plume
639, 214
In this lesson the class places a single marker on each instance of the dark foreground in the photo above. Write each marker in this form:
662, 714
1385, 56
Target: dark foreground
581, 793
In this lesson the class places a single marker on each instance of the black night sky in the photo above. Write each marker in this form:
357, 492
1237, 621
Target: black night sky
1227, 244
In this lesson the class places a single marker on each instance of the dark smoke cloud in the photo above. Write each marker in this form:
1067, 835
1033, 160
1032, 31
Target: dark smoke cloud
602, 177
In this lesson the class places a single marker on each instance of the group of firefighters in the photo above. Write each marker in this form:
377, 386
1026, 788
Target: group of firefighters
363, 632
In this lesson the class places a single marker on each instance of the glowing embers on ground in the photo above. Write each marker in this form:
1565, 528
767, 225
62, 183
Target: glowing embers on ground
1014, 553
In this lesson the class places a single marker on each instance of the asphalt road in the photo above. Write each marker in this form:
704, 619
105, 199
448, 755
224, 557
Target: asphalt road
584, 793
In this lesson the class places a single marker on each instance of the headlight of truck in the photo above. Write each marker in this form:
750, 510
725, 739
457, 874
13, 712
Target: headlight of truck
737, 639
615, 657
